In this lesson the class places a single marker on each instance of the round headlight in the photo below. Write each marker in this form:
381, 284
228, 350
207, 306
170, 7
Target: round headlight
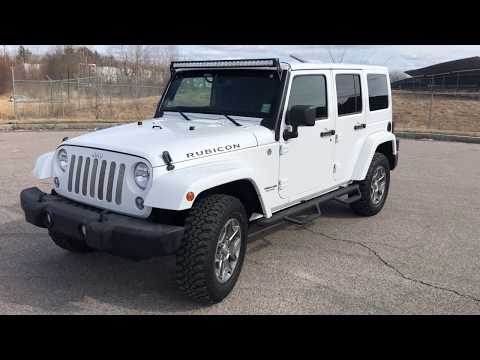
141, 175
62, 159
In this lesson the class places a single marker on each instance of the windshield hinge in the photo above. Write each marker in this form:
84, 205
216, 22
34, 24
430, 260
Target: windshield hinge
168, 160
282, 183
283, 149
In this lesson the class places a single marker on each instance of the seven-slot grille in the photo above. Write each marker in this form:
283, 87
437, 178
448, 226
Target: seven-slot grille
100, 179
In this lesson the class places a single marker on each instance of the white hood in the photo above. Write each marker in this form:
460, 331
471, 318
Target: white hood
212, 134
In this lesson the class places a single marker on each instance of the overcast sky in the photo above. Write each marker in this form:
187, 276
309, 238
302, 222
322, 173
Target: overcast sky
396, 57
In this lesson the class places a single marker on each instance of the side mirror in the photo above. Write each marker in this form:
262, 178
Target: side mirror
302, 115
299, 115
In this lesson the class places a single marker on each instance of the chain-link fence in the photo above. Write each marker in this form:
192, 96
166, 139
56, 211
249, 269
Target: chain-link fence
87, 98
437, 110
447, 102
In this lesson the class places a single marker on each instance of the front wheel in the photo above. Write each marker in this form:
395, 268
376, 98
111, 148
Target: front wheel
374, 188
211, 256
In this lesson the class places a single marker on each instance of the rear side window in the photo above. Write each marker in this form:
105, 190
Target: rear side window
349, 94
377, 91
310, 90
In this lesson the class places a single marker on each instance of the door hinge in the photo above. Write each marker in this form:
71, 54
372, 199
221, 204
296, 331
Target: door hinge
282, 184
283, 149
334, 168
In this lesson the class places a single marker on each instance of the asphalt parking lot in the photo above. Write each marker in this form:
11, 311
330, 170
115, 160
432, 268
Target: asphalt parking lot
420, 255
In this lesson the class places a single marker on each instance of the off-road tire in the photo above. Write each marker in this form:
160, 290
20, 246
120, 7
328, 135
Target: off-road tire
195, 260
70, 244
365, 206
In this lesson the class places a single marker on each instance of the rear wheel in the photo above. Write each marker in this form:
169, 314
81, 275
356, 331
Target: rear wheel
211, 256
374, 188
70, 244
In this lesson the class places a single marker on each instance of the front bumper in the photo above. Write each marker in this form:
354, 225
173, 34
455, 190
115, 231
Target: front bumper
105, 231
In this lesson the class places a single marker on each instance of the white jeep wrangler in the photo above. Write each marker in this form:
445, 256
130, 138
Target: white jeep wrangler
235, 146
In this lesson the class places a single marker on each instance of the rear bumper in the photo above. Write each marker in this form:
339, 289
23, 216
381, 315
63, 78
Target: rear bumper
105, 231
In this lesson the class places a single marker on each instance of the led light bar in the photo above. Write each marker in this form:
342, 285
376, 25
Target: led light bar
251, 63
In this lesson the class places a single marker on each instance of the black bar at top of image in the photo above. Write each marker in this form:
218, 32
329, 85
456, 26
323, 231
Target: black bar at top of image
228, 24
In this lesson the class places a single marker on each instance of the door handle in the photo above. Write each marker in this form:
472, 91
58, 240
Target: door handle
359, 126
327, 133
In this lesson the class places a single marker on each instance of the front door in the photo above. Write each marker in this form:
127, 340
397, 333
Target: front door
306, 161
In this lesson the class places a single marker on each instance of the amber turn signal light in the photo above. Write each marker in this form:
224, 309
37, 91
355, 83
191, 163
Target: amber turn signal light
190, 196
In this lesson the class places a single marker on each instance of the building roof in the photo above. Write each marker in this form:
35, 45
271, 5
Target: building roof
447, 67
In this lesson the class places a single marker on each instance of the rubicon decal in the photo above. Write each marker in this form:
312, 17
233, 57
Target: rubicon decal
211, 151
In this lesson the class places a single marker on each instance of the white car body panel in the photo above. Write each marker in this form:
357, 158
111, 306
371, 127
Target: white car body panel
195, 179
44, 166
368, 150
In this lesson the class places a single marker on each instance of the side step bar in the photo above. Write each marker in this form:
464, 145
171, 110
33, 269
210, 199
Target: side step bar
352, 191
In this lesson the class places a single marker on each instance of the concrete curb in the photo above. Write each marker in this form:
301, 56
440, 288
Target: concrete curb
57, 126
438, 137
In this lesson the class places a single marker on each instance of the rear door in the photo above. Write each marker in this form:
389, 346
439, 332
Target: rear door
306, 161
351, 125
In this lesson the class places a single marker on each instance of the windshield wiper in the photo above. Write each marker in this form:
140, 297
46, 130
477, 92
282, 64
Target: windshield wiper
160, 114
232, 120
184, 116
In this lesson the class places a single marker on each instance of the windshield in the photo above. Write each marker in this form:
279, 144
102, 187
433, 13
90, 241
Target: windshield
250, 93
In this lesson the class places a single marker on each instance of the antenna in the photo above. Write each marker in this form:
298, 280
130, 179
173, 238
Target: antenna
298, 59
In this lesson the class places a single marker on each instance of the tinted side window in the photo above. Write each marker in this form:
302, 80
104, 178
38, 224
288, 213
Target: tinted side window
349, 94
310, 90
377, 91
